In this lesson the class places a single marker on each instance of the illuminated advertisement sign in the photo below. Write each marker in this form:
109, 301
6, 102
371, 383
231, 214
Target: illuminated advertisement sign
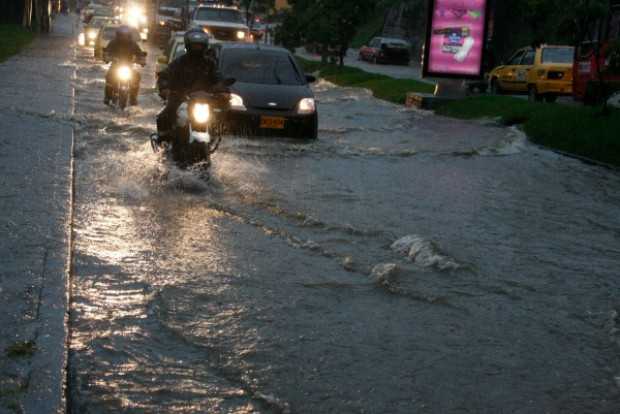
455, 38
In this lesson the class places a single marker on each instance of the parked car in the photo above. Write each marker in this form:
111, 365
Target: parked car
587, 71
223, 24
386, 50
107, 33
271, 95
545, 72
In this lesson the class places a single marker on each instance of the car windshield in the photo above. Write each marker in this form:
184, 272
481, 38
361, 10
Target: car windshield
557, 55
219, 15
256, 66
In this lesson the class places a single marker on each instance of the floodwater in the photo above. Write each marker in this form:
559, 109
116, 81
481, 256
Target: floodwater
402, 263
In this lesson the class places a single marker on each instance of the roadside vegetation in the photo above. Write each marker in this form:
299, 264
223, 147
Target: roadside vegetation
580, 130
13, 38
383, 87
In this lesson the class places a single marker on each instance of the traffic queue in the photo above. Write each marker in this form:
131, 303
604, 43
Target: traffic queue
214, 77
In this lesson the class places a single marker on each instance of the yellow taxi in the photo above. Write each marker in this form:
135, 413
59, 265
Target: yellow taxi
545, 72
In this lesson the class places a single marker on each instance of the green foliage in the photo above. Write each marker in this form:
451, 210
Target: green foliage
330, 24
383, 87
578, 130
12, 39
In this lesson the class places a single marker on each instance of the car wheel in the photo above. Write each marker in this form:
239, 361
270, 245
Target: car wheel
532, 94
310, 132
495, 88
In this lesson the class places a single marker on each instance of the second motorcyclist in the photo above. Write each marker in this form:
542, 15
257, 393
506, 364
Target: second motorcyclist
123, 48
192, 72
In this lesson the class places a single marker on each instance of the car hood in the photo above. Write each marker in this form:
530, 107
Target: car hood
286, 97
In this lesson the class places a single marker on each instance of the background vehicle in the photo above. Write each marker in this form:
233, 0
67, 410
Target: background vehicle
545, 72
386, 50
200, 126
271, 95
89, 33
592, 75
225, 24
106, 34
175, 49
169, 19
123, 80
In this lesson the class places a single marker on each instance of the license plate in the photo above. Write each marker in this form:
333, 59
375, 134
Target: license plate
272, 122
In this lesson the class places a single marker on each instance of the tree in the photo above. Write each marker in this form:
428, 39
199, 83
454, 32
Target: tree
329, 24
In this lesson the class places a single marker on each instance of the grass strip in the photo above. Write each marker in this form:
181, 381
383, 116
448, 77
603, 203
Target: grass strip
383, 87
13, 38
579, 130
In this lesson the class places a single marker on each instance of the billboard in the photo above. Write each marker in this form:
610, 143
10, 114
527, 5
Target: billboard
455, 38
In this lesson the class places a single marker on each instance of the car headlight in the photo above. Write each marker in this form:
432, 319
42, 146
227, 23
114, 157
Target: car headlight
162, 22
236, 103
201, 113
92, 35
240, 35
82, 39
124, 73
206, 30
306, 106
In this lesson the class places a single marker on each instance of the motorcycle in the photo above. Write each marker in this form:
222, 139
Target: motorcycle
199, 128
124, 77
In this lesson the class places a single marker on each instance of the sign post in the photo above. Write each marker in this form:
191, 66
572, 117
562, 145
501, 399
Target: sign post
455, 42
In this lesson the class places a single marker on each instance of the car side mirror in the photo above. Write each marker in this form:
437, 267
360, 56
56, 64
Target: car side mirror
162, 60
310, 78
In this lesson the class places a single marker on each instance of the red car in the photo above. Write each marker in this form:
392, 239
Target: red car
386, 50
587, 68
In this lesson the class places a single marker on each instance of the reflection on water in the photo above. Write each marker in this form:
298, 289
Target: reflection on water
402, 263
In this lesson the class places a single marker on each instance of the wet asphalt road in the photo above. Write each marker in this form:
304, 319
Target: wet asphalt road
403, 263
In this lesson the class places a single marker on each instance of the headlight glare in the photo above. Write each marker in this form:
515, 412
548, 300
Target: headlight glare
236, 103
240, 35
306, 106
124, 73
92, 35
201, 113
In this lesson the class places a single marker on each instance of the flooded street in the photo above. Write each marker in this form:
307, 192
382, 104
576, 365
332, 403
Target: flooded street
403, 263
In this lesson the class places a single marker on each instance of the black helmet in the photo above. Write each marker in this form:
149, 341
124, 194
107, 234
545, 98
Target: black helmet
194, 38
123, 32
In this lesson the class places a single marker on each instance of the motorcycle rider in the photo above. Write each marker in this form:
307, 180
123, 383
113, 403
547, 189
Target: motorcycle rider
195, 71
123, 49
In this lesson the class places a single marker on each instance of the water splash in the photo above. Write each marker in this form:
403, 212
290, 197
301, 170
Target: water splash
424, 253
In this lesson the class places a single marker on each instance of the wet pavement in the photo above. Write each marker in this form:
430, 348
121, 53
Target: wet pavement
35, 192
402, 263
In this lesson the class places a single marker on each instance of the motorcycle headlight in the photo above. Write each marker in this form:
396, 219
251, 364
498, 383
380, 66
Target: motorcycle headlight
92, 35
236, 103
201, 113
306, 106
124, 73
241, 35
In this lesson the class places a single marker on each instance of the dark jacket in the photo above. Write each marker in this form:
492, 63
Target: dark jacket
125, 50
188, 74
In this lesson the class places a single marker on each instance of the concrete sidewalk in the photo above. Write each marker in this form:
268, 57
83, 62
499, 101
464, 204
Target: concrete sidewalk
35, 200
